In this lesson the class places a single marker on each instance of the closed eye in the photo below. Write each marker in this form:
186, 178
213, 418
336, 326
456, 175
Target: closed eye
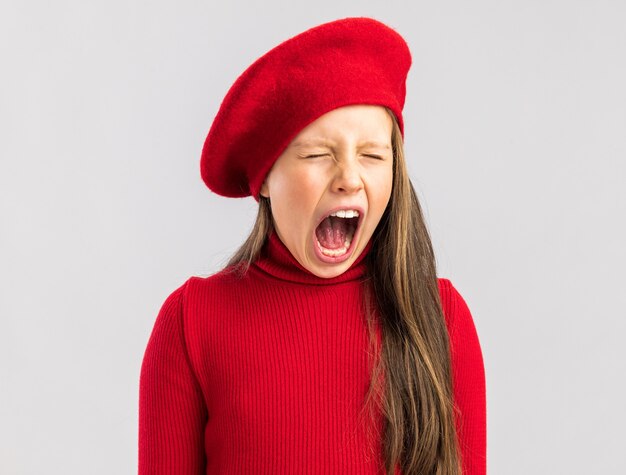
377, 157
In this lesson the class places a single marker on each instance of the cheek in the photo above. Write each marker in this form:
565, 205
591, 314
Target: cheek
293, 198
382, 190
300, 188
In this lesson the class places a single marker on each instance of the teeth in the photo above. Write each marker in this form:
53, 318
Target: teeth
342, 213
346, 213
335, 252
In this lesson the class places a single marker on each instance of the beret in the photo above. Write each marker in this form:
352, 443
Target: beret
355, 60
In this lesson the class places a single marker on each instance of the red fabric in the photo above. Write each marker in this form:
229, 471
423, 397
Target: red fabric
348, 61
266, 375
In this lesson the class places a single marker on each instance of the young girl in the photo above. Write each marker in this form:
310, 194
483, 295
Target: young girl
327, 344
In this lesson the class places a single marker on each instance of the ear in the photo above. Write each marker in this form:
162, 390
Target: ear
264, 191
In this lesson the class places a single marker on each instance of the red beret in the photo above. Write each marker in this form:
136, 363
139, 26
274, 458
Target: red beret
348, 61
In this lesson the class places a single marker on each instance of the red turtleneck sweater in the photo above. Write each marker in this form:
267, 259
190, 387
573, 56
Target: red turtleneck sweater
267, 374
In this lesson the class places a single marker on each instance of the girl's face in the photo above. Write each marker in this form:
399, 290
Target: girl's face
342, 163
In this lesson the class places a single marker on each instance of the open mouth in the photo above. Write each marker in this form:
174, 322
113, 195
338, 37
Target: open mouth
336, 232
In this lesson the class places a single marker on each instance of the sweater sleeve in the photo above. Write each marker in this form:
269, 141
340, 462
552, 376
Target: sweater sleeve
468, 375
172, 411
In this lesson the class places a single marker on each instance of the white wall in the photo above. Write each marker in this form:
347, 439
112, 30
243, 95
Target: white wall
515, 121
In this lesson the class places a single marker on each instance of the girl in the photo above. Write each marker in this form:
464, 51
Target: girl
327, 344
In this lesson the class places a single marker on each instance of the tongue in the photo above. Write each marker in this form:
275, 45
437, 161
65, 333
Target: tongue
332, 232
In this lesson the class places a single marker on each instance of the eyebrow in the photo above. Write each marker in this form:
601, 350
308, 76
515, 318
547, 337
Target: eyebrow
326, 143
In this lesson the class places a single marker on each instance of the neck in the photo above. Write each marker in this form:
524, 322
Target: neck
277, 261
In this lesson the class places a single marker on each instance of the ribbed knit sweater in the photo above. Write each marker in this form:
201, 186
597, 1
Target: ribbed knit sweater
267, 374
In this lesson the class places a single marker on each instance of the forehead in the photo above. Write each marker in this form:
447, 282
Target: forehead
326, 142
365, 124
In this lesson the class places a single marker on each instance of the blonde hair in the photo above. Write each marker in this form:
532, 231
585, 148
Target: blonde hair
411, 382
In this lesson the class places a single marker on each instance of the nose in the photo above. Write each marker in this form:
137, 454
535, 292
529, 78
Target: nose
347, 177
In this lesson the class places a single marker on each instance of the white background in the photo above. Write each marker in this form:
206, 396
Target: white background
515, 123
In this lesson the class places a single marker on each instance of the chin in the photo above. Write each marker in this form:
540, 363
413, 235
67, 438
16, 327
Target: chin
329, 271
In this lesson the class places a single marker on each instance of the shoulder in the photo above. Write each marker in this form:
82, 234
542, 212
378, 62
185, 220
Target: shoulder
201, 296
172, 305
451, 299
192, 305
455, 309
221, 281
194, 287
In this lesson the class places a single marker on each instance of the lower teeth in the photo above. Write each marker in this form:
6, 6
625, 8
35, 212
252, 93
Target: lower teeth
335, 252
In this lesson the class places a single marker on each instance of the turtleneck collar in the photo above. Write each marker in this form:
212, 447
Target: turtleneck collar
276, 259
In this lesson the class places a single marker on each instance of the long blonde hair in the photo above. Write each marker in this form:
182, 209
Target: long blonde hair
411, 382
